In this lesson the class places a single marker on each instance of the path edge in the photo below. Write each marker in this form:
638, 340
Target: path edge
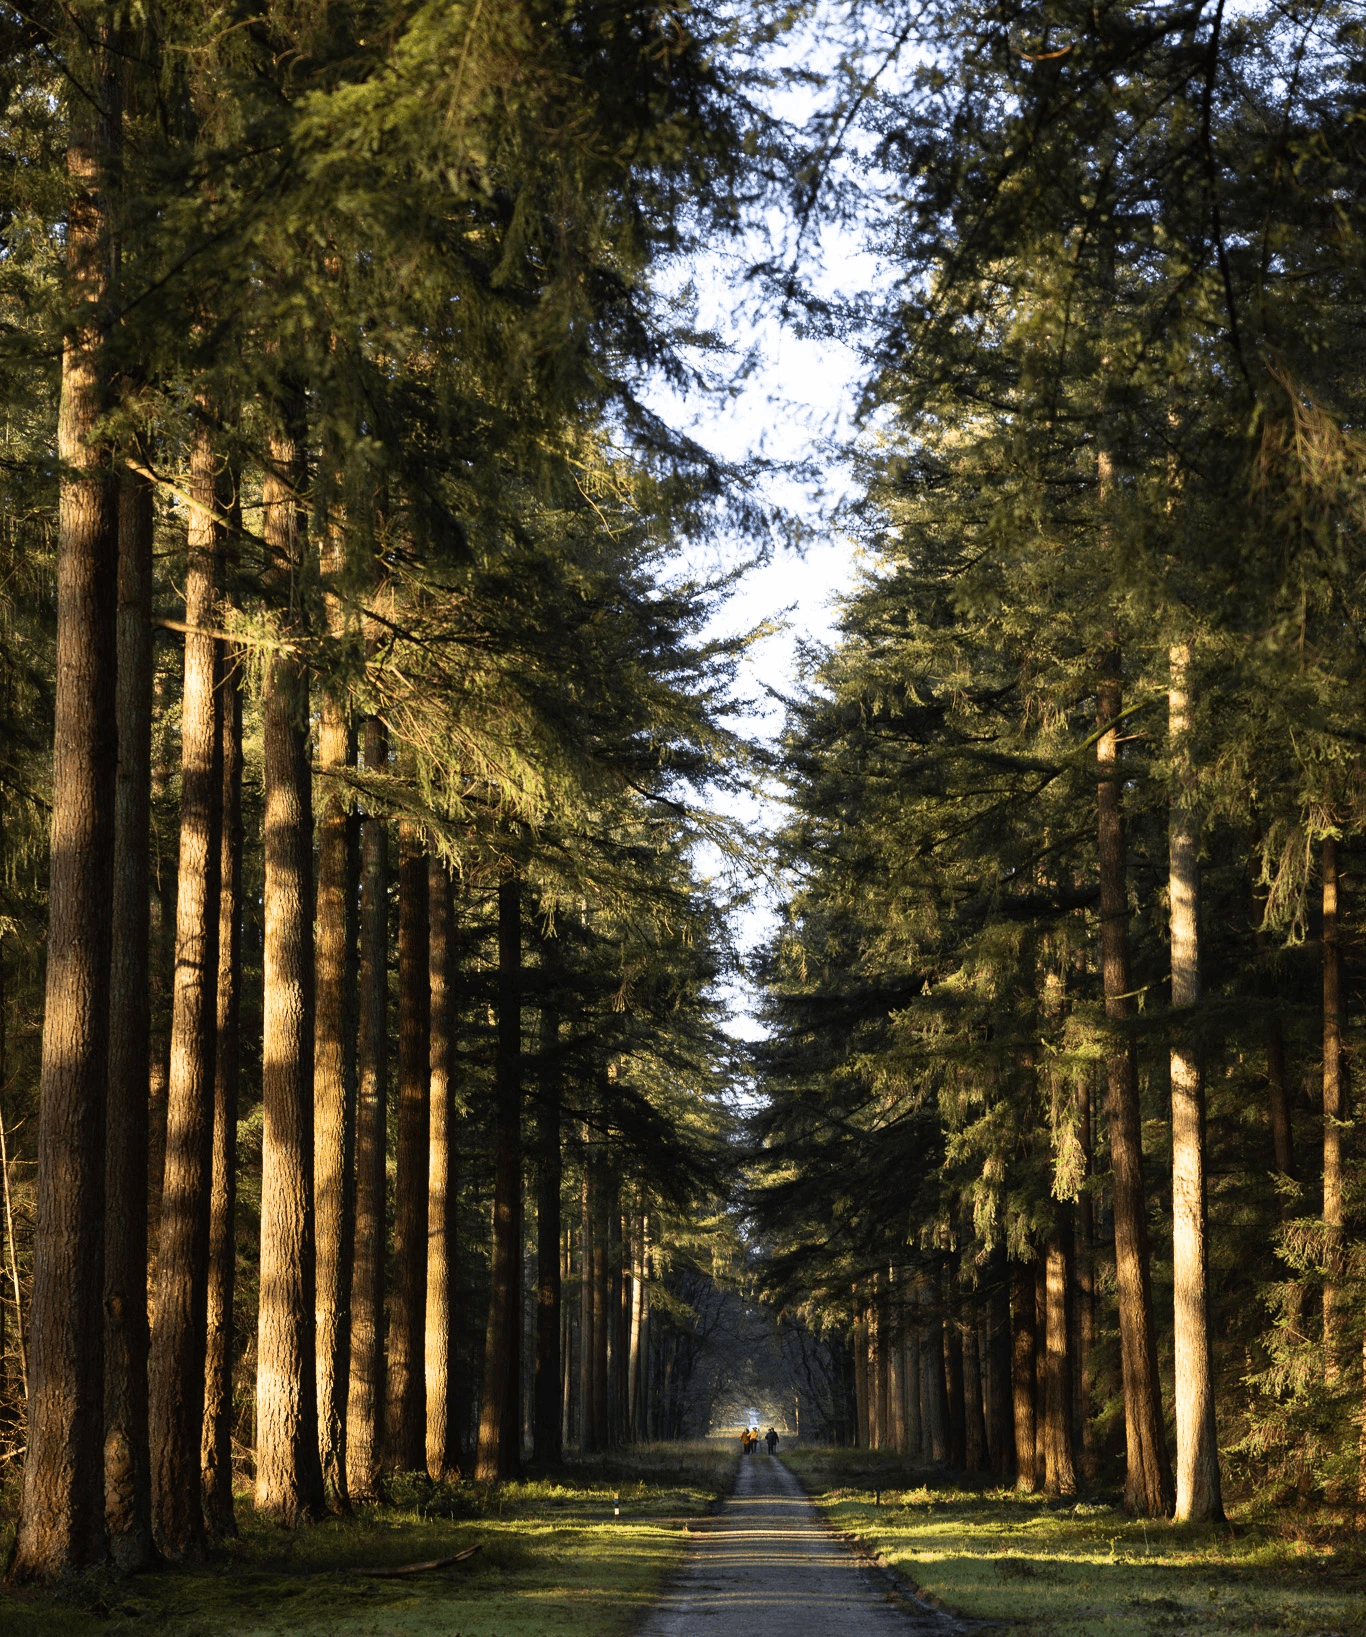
924, 1604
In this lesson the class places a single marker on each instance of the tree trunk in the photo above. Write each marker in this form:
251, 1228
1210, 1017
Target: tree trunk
877, 1384
333, 1091
934, 1389
1334, 1110
1000, 1396
1197, 1451
365, 1404
500, 1451
1024, 1365
895, 1349
602, 1311
546, 1420
953, 1386
910, 1380
443, 1418
289, 1483
862, 1428
588, 1429
1148, 1486
127, 1459
61, 1523
975, 1439
179, 1338
407, 1418
1086, 1283
216, 1456
637, 1394
1059, 1473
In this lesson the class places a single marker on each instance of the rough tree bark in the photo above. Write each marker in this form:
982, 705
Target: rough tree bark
219, 1517
1059, 1473
182, 1275
365, 1405
444, 1457
127, 1460
61, 1523
333, 1091
289, 1482
407, 1411
1148, 1486
1197, 1451
500, 1410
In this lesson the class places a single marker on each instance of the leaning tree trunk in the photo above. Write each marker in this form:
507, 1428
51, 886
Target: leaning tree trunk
289, 1482
1197, 1451
407, 1419
219, 1516
127, 1461
1148, 1484
61, 1524
1334, 1112
1059, 1470
500, 1411
443, 1417
182, 1278
546, 1417
333, 1098
365, 1405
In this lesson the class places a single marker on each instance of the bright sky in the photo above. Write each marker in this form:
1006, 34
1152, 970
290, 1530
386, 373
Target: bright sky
801, 393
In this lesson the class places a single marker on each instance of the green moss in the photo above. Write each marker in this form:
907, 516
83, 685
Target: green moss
554, 1563
1089, 1568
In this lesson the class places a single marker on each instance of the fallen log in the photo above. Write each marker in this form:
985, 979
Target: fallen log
418, 1568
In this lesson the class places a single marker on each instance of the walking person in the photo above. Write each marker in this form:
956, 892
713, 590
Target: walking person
771, 1439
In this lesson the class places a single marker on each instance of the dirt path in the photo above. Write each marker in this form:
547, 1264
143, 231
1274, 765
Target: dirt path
766, 1566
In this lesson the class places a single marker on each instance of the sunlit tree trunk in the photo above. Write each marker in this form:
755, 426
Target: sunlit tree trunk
1197, 1452
365, 1405
500, 1453
1334, 1110
1059, 1473
1024, 1366
861, 1395
1148, 1483
61, 1524
219, 1516
333, 1091
443, 1419
127, 1461
407, 1411
182, 1281
603, 1193
289, 1483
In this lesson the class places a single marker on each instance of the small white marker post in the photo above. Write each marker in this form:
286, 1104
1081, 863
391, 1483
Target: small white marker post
616, 1506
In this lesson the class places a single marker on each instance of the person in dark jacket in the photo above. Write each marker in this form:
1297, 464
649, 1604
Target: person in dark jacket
771, 1439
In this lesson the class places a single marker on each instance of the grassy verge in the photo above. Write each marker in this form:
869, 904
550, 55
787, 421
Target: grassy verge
1088, 1567
554, 1563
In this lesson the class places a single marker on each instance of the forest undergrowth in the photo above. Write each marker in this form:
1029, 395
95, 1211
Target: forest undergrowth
1086, 1565
553, 1560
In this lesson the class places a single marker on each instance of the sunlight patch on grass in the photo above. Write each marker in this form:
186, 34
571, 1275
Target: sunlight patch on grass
553, 1563
1086, 1567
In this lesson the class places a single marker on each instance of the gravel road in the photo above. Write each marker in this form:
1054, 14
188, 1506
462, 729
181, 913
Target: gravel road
766, 1566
